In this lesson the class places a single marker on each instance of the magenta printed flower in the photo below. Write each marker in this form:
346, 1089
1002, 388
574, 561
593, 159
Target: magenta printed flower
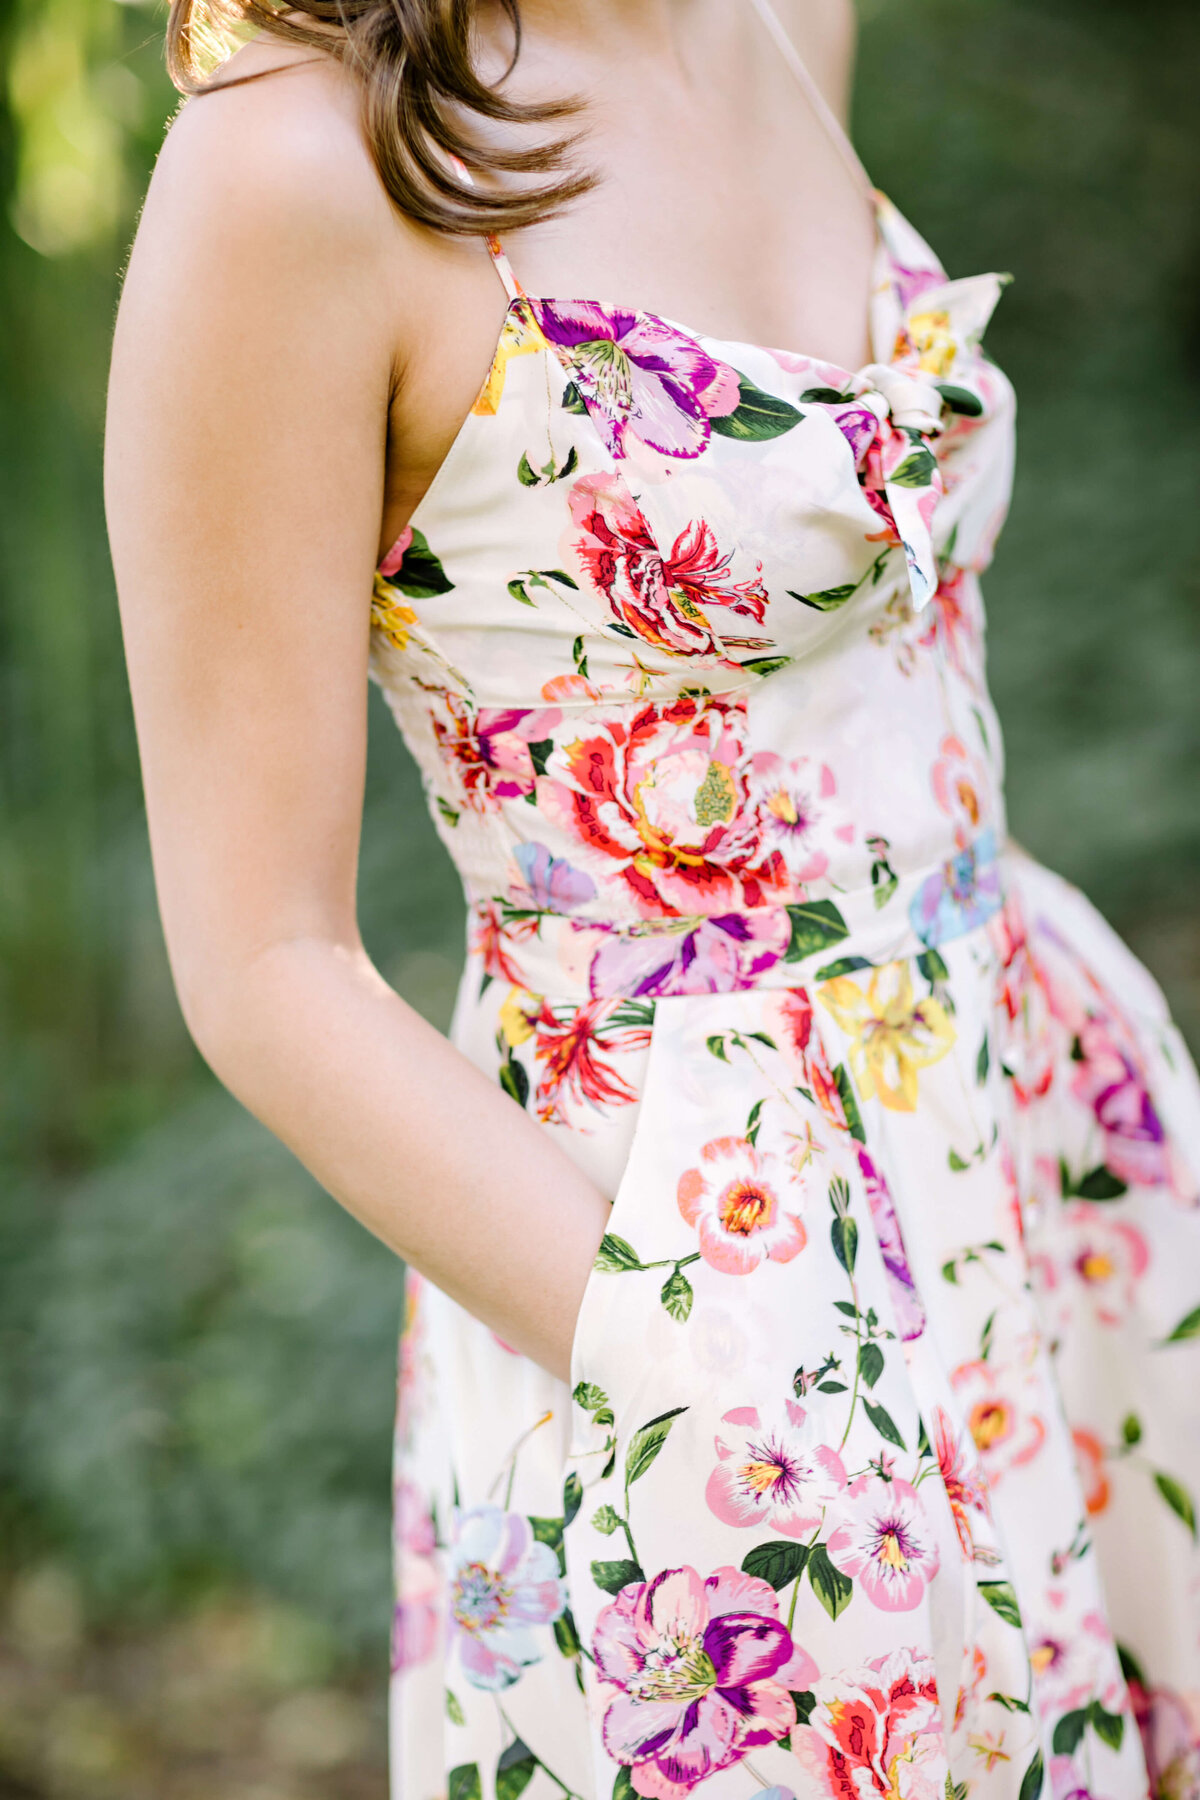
884, 1540
642, 380
771, 1475
502, 1583
876, 1731
661, 598
745, 1206
1169, 1725
489, 747
1108, 1079
695, 1673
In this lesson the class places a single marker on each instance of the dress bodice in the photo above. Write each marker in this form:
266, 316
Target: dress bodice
686, 628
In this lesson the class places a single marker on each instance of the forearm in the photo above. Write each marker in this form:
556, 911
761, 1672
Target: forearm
409, 1136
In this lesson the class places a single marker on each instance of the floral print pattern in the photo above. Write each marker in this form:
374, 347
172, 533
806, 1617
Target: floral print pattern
879, 1466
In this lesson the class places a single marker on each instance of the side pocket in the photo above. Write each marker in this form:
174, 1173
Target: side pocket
617, 1255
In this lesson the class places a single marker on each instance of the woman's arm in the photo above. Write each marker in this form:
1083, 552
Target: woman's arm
253, 365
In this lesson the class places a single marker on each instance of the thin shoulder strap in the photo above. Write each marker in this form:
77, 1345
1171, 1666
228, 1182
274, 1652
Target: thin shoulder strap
825, 113
495, 248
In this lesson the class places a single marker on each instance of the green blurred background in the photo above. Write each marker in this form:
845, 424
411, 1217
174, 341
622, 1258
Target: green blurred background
196, 1347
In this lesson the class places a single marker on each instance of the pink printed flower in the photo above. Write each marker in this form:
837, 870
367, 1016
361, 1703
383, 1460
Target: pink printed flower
1030, 1036
876, 1731
488, 747
885, 1541
660, 598
1007, 1430
1169, 1724
695, 1674
771, 1476
1092, 1461
954, 627
1107, 1258
744, 1205
796, 803
659, 803
643, 381
960, 787
502, 1583
965, 1487
417, 1613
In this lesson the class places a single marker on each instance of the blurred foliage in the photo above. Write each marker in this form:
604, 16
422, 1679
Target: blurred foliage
196, 1346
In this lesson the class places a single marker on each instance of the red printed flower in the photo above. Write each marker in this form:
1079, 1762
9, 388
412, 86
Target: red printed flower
876, 1731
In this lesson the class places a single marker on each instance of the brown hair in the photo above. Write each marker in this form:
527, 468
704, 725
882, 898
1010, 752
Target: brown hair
420, 88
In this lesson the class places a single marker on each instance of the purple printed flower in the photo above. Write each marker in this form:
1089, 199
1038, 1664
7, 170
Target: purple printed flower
770, 1475
643, 381
963, 893
705, 956
910, 1308
554, 884
695, 1674
502, 1582
885, 1540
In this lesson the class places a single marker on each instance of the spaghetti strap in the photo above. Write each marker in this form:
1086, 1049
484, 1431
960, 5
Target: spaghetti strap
495, 248
825, 113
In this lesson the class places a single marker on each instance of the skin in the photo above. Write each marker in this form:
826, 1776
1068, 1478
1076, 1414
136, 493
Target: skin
291, 363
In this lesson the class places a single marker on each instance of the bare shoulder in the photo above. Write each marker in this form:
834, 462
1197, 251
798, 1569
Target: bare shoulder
826, 34
276, 148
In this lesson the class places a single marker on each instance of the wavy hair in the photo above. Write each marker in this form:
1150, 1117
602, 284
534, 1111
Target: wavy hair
423, 102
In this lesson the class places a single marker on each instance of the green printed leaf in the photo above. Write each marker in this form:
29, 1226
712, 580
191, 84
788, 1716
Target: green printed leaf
752, 1120
833, 1589
573, 401
815, 925
933, 967
615, 1255
449, 813
573, 1492
826, 396
1131, 1428
1110, 1727
763, 1037
1010, 1703
716, 1046
848, 1307
766, 665
826, 599
589, 1396
950, 1272
606, 1520
1035, 1775
981, 1061
960, 399
546, 1530
540, 753
613, 1576
849, 1104
1177, 1498
1100, 1184
420, 574
1002, 1599
646, 1443
832, 1387
870, 1363
1188, 1327
883, 1422
514, 1080
845, 965
623, 1788
843, 1235
527, 475
566, 1633
465, 1783
677, 1295
780, 1562
519, 592
514, 1771
757, 416
1068, 1733
916, 471
454, 1711
559, 575
1131, 1668
956, 1162
803, 1704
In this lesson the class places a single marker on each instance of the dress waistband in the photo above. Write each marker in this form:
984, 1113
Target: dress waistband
576, 960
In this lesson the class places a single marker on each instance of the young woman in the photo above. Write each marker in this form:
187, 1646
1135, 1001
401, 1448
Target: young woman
801, 1385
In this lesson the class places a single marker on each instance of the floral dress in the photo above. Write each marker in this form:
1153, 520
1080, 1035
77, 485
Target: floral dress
877, 1470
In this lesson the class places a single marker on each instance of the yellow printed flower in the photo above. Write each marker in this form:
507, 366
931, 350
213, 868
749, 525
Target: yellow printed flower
389, 614
933, 340
518, 1016
520, 337
891, 1033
